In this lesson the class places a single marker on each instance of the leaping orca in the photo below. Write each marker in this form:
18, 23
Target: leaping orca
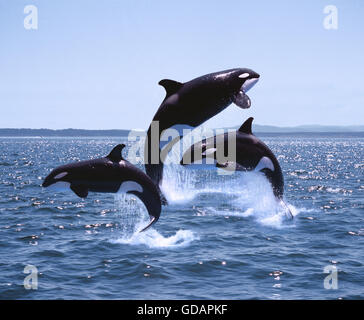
251, 155
110, 174
189, 104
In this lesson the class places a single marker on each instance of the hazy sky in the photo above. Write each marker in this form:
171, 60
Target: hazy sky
96, 64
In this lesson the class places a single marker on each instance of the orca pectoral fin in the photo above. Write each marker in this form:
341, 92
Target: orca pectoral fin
288, 211
80, 190
242, 100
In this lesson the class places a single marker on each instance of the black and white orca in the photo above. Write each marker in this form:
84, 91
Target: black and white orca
251, 154
189, 104
110, 174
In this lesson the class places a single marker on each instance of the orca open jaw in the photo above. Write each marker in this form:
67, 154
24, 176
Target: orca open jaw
242, 100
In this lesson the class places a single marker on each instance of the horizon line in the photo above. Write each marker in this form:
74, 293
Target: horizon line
236, 126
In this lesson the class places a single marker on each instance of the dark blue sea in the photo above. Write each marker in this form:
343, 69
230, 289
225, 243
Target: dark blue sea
221, 237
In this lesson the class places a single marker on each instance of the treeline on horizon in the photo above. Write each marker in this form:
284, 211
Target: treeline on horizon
25, 132
10, 132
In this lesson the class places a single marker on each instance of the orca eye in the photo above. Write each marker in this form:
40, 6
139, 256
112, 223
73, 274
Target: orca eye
244, 75
60, 175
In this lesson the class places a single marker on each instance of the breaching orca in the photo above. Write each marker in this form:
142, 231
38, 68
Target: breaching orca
189, 104
110, 174
251, 154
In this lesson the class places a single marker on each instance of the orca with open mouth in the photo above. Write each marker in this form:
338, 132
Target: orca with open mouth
189, 104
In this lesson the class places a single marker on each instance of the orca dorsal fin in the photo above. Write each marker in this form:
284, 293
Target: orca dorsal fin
246, 127
115, 154
171, 86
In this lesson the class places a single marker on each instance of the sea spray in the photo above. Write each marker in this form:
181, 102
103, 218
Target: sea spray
132, 213
249, 193
133, 217
153, 239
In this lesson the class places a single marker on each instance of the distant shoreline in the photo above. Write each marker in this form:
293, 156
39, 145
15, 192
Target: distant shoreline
9, 132
259, 129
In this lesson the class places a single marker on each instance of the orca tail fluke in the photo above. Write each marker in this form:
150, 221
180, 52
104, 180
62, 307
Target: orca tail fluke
152, 202
151, 222
288, 211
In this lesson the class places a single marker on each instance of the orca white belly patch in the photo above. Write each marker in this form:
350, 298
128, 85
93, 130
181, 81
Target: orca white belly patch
127, 186
59, 186
264, 163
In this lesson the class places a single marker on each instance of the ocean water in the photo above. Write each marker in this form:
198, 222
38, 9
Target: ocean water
221, 237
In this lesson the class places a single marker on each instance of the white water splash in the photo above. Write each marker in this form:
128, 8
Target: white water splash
134, 217
179, 185
153, 239
249, 194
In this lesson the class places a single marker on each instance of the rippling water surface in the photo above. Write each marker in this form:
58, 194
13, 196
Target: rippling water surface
221, 237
